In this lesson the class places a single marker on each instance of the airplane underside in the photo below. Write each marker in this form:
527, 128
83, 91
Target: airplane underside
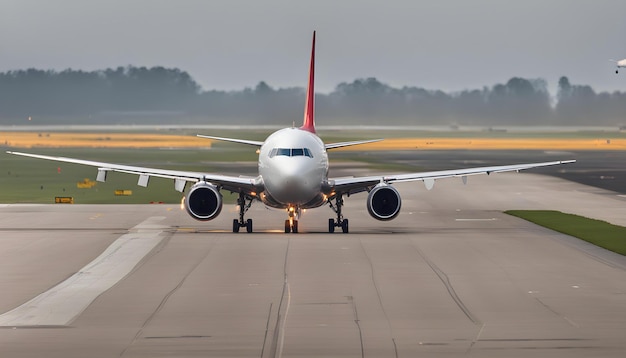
293, 212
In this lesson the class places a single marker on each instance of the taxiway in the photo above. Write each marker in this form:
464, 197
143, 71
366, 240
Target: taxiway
451, 276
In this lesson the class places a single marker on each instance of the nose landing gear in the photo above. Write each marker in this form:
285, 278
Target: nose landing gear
340, 222
243, 208
291, 224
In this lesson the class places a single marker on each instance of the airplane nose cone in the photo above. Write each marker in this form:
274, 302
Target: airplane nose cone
294, 182
294, 185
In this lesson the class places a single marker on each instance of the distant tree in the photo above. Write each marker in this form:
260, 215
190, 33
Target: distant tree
565, 89
116, 94
577, 104
520, 101
262, 89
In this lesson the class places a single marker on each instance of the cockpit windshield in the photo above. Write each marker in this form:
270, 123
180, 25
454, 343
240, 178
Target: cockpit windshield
291, 152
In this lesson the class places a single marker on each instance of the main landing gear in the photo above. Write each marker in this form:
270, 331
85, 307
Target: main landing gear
340, 222
243, 208
291, 224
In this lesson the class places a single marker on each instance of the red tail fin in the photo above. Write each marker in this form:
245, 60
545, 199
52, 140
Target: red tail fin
309, 106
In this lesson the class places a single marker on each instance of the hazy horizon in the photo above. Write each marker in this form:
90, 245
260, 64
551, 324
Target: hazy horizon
445, 45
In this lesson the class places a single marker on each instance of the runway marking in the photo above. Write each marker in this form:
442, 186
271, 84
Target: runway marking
278, 339
492, 219
282, 331
448, 285
61, 304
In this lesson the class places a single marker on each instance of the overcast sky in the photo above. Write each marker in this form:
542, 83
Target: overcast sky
229, 45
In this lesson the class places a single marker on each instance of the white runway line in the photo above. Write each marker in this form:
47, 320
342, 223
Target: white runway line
492, 219
61, 304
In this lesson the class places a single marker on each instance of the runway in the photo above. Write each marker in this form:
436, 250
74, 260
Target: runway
451, 276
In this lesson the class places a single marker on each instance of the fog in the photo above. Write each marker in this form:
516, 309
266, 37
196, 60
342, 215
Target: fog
158, 95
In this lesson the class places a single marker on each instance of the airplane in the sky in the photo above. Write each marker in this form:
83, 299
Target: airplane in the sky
619, 64
293, 176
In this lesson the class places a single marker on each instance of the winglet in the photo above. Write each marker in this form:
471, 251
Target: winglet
309, 106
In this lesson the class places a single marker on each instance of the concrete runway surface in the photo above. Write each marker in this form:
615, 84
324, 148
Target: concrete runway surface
451, 276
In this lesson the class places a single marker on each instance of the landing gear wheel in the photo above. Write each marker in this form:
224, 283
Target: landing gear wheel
340, 222
291, 227
249, 225
243, 207
616, 71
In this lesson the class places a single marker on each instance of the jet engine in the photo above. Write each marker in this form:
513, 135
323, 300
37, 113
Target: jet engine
383, 202
203, 201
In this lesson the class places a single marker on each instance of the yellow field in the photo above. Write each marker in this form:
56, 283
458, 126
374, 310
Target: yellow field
100, 140
138, 140
497, 144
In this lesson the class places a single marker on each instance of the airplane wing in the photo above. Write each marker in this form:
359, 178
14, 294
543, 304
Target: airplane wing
233, 140
359, 184
258, 143
347, 144
229, 183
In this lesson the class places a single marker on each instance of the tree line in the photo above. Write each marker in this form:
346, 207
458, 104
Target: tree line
169, 95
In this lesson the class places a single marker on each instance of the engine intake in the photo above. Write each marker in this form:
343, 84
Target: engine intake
383, 202
203, 201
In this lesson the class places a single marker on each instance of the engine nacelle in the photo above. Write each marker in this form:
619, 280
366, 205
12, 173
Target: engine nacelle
383, 202
203, 201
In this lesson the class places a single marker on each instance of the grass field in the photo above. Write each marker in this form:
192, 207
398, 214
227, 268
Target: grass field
600, 233
38, 181
27, 180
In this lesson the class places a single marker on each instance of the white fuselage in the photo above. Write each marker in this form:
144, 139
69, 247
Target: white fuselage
293, 165
621, 63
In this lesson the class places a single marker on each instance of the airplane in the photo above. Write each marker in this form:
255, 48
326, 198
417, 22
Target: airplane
292, 176
619, 64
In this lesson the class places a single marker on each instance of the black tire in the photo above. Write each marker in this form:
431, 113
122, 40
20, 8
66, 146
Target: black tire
235, 225
294, 229
331, 225
249, 225
287, 227
344, 226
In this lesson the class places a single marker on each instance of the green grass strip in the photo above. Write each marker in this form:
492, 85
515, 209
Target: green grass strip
597, 232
